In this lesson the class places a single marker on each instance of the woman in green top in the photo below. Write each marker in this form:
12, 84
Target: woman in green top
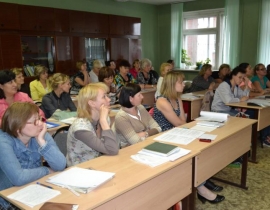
260, 81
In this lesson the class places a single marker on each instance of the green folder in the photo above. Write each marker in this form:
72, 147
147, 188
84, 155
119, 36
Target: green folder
161, 149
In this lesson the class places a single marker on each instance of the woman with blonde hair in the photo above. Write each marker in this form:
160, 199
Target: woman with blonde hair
19, 79
204, 80
90, 134
59, 98
164, 69
169, 113
40, 86
80, 79
97, 65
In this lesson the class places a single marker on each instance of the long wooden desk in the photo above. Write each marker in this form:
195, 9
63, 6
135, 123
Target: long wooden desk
262, 115
135, 186
194, 105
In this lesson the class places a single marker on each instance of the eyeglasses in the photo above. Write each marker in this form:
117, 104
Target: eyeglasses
40, 118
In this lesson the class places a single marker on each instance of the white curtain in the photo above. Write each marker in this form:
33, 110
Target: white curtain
95, 49
176, 32
230, 53
264, 35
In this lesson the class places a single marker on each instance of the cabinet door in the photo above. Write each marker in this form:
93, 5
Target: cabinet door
76, 21
119, 48
9, 16
132, 26
61, 20
63, 55
78, 50
135, 49
28, 17
45, 19
116, 25
11, 50
96, 23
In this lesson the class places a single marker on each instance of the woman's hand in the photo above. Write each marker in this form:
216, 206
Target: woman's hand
244, 98
212, 86
103, 115
40, 137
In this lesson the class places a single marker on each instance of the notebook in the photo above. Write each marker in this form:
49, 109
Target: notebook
80, 179
161, 149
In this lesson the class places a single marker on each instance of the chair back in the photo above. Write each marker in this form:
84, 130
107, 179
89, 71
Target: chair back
207, 101
60, 138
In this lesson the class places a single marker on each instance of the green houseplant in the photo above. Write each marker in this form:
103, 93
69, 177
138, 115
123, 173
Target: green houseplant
184, 57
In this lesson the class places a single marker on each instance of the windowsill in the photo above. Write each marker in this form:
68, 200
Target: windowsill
190, 70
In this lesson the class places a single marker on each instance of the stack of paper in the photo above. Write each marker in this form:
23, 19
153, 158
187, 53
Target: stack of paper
191, 96
33, 195
69, 121
258, 102
179, 136
80, 179
212, 116
210, 124
158, 153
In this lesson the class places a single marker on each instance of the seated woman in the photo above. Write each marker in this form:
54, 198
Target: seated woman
106, 76
169, 113
133, 123
229, 92
40, 86
164, 69
123, 77
59, 98
222, 73
204, 80
247, 82
19, 79
24, 143
9, 93
260, 81
146, 77
90, 134
80, 79
97, 65
135, 68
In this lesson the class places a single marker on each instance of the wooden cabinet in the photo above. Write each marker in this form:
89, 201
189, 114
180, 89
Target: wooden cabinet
96, 23
11, 51
36, 18
38, 50
120, 25
78, 50
77, 21
125, 48
9, 16
61, 20
63, 55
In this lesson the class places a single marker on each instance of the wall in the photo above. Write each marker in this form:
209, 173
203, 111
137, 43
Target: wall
147, 13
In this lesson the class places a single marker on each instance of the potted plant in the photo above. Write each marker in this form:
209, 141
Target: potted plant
184, 57
199, 65
188, 64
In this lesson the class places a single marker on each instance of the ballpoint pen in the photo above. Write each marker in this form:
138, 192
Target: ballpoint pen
44, 185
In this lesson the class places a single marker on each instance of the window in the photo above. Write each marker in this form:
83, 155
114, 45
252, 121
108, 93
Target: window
202, 35
95, 49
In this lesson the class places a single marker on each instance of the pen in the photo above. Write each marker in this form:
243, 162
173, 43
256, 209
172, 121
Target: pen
205, 140
44, 185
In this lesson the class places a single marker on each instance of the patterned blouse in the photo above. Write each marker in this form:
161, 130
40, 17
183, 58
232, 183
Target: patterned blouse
77, 151
151, 80
160, 118
119, 81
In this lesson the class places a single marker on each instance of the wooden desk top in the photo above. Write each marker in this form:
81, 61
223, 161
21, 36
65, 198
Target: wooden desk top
129, 174
243, 104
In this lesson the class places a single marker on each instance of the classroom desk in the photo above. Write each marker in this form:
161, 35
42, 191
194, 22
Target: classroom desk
135, 186
53, 130
194, 105
232, 141
262, 115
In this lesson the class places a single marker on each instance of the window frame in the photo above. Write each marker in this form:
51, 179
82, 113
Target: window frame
219, 14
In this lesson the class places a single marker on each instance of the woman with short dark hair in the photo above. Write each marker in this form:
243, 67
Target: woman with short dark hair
24, 143
9, 93
123, 77
133, 123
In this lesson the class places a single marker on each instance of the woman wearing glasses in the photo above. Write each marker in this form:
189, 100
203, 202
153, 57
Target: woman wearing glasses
9, 92
260, 81
24, 142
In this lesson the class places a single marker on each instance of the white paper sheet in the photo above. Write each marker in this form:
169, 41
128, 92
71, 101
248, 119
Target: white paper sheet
33, 195
179, 136
203, 128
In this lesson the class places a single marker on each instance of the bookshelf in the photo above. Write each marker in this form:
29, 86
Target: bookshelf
38, 50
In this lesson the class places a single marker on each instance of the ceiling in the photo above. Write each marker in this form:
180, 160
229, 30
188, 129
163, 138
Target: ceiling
157, 2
